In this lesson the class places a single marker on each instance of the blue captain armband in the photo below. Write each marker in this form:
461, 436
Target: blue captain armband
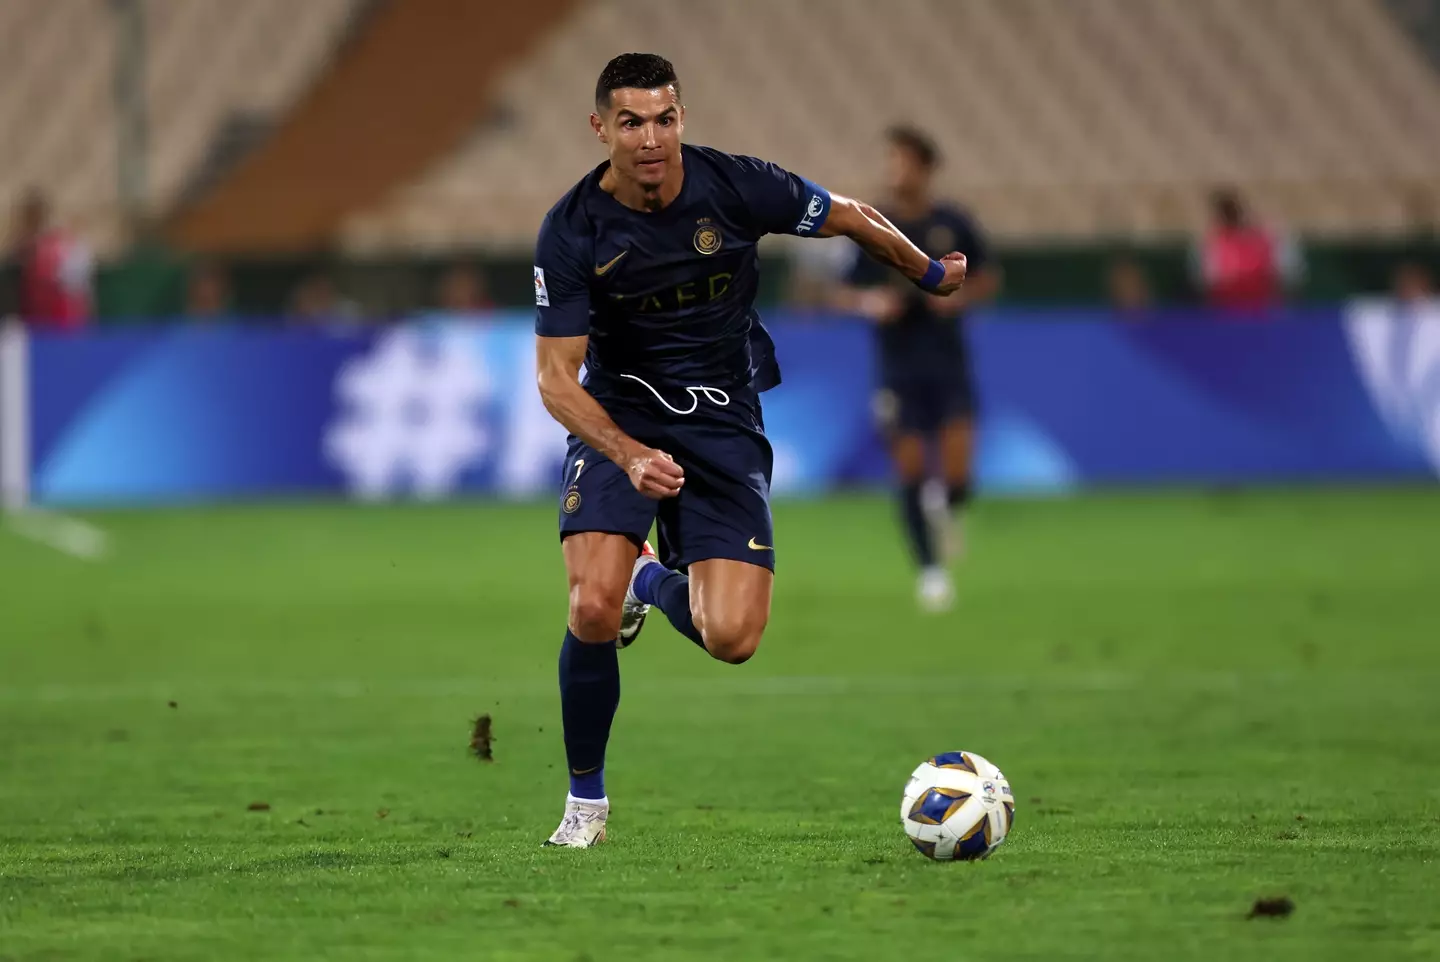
934, 274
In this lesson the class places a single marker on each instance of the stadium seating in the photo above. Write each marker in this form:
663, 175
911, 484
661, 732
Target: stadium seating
1057, 119
206, 63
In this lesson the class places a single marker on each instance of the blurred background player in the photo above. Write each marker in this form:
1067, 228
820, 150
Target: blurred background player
926, 399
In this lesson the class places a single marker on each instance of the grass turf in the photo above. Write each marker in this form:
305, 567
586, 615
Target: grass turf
1200, 700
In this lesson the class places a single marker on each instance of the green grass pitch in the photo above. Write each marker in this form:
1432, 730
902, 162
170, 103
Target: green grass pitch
1201, 699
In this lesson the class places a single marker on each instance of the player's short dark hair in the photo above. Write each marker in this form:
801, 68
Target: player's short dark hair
917, 142
643, 71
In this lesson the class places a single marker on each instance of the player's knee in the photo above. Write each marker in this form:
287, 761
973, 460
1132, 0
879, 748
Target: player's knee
595, 611
732, 639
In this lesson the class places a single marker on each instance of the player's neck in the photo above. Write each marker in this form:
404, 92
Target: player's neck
642, 198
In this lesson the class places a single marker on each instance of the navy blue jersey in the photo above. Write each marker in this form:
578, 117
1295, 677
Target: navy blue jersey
921, 340
668, 296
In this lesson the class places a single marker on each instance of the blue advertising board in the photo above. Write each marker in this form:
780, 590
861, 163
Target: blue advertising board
439, 407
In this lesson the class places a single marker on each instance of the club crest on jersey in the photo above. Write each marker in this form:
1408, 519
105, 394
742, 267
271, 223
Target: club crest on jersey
707, 237
571, 504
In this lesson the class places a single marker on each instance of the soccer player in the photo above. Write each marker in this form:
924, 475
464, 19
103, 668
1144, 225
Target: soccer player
925, 400
646, 273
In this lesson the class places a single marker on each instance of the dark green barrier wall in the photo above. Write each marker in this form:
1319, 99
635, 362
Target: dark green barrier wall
152, 282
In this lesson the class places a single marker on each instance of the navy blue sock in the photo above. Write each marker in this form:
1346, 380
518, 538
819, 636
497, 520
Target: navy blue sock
917, 528
670, 592
589, 695
958, 495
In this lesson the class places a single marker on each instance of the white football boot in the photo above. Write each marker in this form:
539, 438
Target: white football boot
934, 591
632, 615
583, 824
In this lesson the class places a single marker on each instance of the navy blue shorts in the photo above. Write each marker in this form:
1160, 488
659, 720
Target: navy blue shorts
723, 511
923, 403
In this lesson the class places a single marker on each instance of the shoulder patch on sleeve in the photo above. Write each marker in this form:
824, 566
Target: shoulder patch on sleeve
542, 296
816, 210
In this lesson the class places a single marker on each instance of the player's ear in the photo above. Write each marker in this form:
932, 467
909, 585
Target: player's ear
598, 125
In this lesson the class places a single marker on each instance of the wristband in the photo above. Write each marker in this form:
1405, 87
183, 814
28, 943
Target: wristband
934, 274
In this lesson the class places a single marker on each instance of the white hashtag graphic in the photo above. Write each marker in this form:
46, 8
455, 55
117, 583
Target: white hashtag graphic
411, 418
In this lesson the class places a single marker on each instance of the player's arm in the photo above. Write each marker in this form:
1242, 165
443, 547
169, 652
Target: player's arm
562, 329
880, 239
557, 373
781, 202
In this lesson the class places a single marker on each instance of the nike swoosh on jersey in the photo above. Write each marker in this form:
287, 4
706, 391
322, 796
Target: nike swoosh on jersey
756, 546
602, 269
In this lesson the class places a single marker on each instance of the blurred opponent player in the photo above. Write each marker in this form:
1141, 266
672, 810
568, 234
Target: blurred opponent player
925, 399
646, 273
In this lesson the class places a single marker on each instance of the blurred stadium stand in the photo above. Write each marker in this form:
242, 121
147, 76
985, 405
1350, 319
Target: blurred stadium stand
213, 70
394, 130
1101, 117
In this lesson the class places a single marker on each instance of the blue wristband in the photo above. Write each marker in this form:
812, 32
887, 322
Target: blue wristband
934, 274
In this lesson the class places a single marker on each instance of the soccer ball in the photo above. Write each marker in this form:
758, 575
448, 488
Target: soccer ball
957, 806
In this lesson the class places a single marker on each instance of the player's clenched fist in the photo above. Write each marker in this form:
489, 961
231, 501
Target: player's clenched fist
954, 263
655, 474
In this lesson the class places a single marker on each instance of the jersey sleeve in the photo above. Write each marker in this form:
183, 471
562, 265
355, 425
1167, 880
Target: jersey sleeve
780, 202
562, 296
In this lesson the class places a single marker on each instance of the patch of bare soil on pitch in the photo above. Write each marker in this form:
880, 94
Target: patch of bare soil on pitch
1274, 908
482, 739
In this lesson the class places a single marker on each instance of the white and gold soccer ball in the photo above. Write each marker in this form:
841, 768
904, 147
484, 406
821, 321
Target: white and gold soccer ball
957, 806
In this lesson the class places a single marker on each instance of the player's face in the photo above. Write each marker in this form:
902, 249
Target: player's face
642, 131
904, 174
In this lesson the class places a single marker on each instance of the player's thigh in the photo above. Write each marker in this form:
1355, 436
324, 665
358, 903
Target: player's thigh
724, 509
905, 413
957, 407
603, 522
730, 604
596, 495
